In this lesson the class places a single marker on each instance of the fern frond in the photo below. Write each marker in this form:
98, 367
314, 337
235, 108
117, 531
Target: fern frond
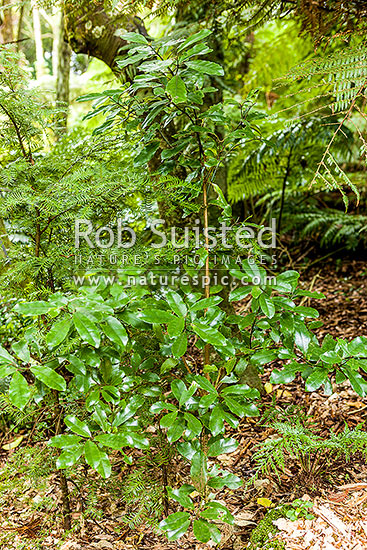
299, 443
290, 154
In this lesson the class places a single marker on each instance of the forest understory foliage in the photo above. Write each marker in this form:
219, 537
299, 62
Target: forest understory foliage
172, 174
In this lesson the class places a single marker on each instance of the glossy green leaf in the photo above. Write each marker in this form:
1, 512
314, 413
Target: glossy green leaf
205, 303
100, 417
77, 426
187, 394
146, 154
221, 446
7, 370
64, 441
182, 495
176, 303
97, 459
21, 350
178, 387
76, 366
205, 531
176, 326
128, 410
88, 331
286, 375
176, 89
69, 457
216, 422
160, 406
191, 40
307, 311
235, 407
168, 419
193, 423
302, 337
267, 306
49, 377
239, 293
198, 49
199, 471
111, 394
241, 389
207, 400
168, 365
205, 67
357, 382
33, 308
6, 358
113, 441
58, 333
137, 441
209, 334
116, 332
158, 316
250, 410
317, 377
217, 511
131, 60
263, 357
225, 480
204, 384
175, 525
331, 357
358, 346
176, 430
19, 392
179, 346
134, 37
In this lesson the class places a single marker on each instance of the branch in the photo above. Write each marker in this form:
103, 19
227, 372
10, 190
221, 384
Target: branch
90, 30
19, 135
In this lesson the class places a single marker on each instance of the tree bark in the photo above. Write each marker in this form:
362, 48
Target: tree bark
20, 26
91, 30
40, 62
6, 29
63, 76
4, 241
65, 496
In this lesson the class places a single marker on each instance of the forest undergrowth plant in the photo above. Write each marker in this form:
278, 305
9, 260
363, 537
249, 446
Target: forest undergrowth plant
315, 456
185, 136
143, 496
121, 352
124, 378
25, 477
285, 161
338, 81
46, 186
331, 227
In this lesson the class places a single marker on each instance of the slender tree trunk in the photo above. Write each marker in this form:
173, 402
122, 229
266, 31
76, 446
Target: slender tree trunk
54, 22
63, 76
40, 62
285, 180
65, 496
20, 26
6, 29
4, 241
57, 36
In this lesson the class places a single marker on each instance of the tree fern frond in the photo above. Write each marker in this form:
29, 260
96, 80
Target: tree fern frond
292, 153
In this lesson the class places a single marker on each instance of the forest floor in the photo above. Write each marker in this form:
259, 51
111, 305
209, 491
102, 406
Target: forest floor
30, 512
